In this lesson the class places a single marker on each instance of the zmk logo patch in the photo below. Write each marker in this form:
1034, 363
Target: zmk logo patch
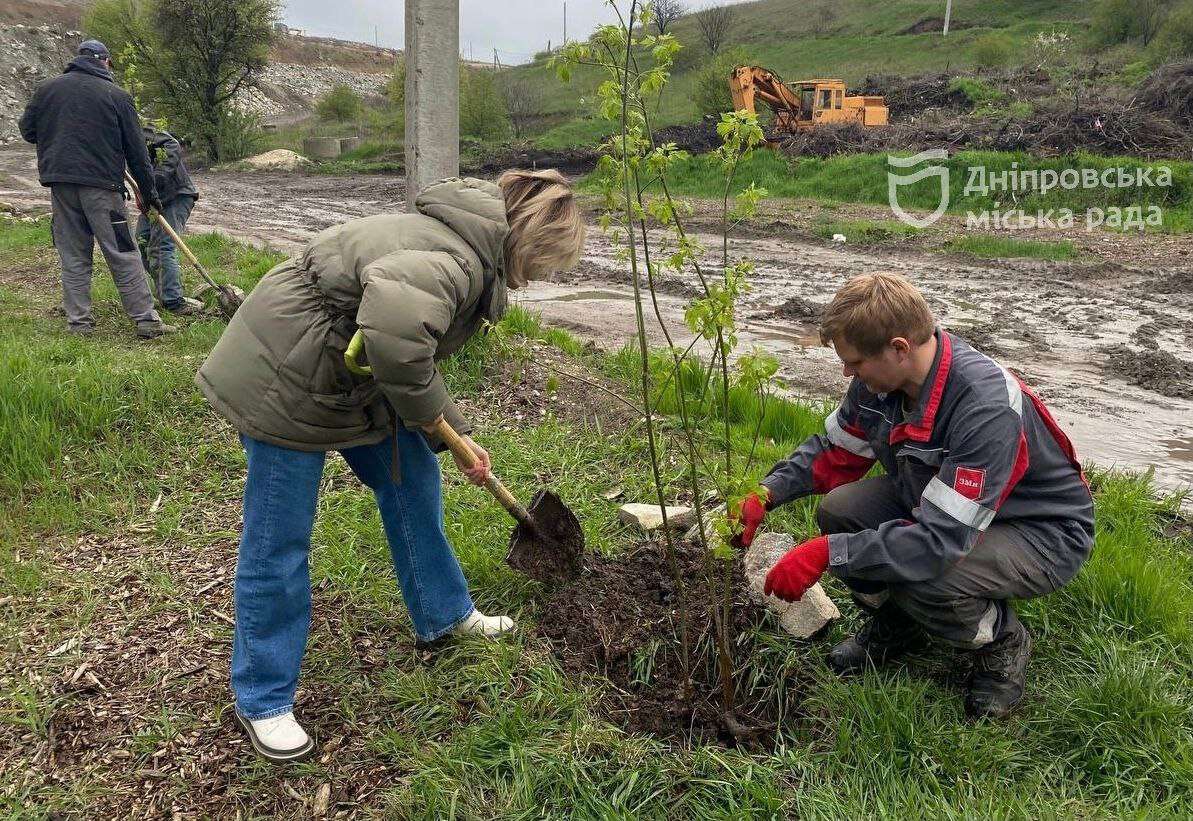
969, 482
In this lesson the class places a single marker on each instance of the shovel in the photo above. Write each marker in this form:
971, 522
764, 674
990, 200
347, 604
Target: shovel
547, 544
226, 296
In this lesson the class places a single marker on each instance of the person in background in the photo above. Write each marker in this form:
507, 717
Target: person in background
86, 131
177, 194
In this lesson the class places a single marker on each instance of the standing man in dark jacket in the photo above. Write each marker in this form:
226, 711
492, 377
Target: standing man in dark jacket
86, 131
177, 194
981, 501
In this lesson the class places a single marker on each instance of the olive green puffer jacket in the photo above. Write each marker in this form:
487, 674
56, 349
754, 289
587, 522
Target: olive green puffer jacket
417, 285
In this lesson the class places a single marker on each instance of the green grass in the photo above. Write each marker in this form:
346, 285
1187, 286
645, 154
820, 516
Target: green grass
863, 230
862, 178
496, 730
988, 246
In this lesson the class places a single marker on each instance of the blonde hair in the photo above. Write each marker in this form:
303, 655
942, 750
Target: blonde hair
546, 225
872, 309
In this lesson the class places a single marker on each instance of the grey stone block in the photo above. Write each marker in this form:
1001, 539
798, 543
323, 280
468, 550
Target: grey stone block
803, 618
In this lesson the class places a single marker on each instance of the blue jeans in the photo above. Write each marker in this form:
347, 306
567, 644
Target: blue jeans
159, 254
273, 584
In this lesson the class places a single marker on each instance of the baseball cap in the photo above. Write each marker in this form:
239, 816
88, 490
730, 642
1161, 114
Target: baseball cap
94, 47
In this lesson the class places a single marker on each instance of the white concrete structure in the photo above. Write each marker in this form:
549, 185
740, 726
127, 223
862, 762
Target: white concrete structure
432, 93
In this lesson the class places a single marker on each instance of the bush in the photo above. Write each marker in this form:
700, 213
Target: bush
710, 87
1117, 21
340, 104
238, 134
482, 107
1176, 38
992, 51
395, 89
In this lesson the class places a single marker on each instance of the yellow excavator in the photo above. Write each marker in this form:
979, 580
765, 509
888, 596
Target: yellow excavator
805, 104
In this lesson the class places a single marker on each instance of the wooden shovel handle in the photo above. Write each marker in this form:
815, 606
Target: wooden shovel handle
461, 451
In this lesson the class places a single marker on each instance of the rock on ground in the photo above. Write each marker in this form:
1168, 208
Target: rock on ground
279, 159
693, 534
650, 517
802, 619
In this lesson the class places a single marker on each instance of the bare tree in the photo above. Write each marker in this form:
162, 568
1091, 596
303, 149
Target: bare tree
667, 12
714, 22
523, 101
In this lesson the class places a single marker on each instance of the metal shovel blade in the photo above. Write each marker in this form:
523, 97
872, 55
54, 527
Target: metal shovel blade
553, 550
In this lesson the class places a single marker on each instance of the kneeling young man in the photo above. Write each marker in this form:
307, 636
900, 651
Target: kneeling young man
982, 499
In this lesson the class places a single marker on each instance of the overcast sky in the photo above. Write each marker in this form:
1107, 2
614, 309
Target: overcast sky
516, 28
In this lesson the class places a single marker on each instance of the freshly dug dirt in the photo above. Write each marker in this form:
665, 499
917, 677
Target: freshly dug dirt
1180, 282
697, 138
574, 161
620, 621
1155, 370
799, 309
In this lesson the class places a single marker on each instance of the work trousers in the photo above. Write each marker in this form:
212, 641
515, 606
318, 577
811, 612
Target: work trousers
84, 215
966, 605
159, 254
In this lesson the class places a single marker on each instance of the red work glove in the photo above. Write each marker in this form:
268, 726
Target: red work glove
751, 513
801, 568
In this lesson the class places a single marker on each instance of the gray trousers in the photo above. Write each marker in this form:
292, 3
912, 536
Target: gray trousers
83, 214
967, 605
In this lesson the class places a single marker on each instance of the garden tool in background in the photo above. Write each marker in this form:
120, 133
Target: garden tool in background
547, 544
227, 297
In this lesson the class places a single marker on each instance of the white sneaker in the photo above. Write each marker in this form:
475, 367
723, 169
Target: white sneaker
280, 738
479, 624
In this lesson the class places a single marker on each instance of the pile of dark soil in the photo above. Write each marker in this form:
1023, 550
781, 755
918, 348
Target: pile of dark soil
620, 620
1180, 282
799, 309
1155, 370
1168, 91
574, 161
696, 138
981, 337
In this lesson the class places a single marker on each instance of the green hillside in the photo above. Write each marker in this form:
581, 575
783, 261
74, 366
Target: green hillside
840, 38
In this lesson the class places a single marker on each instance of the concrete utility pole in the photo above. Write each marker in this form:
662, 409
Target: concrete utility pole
432, 93
948, 15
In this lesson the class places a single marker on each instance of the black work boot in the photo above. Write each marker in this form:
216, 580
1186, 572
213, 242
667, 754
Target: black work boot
995, 686
887, 634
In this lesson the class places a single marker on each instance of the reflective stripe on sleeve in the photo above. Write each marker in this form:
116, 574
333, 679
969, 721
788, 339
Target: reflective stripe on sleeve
1014, 391
843, 439
966, 511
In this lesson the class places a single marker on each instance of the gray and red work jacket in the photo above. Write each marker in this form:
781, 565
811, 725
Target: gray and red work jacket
978, 447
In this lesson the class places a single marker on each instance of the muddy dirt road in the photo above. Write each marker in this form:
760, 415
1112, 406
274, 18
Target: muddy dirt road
1107, 340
